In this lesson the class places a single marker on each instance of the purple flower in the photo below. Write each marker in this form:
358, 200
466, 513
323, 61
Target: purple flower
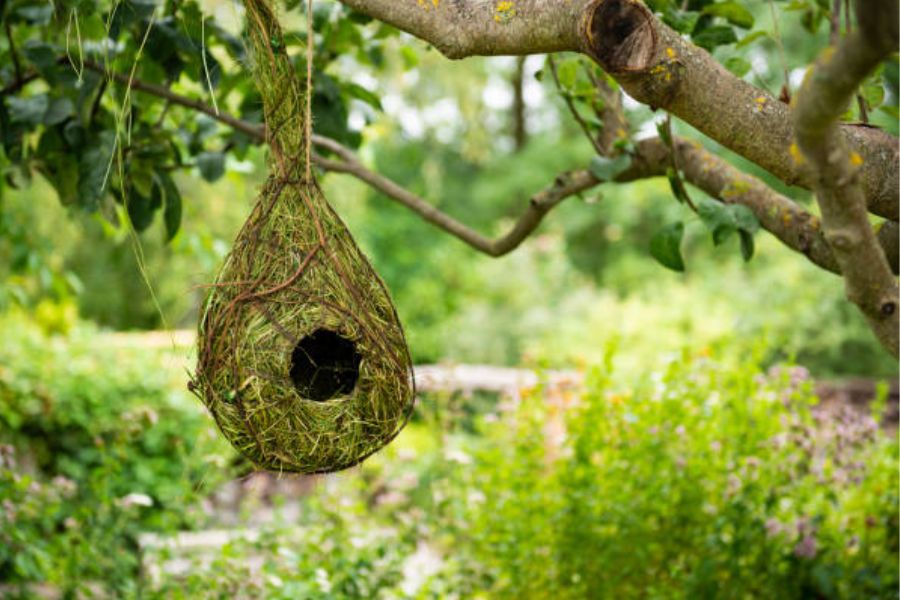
774, 527
806, 548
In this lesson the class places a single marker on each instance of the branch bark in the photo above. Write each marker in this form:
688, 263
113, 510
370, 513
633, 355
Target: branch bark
795, 227
827, 90
484, 27
655, 66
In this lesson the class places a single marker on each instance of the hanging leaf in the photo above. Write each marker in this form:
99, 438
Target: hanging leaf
567, 73
733, 12
677, 186
29, 110
140, 209
665, 246
211, 165
43, 57
717, 35
747, 246
722, 220
738, 66
92, 169
58, 111
172, 206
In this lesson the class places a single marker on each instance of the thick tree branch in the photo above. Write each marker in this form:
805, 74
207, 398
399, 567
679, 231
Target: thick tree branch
654, 65
460, 28
827, 90
779, 215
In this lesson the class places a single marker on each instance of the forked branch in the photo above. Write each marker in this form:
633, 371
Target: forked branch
655, 65
828, 88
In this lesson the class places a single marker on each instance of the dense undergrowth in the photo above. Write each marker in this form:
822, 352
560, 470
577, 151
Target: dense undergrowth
701, 479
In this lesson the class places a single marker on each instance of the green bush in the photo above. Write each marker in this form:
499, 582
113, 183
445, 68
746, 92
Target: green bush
98, 445
701, 482
704, 477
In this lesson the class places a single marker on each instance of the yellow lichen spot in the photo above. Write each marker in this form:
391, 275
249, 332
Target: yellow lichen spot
827, 55
760, 102
670, 52
504, 11
787, 218
855, 159
796, 154
734, 189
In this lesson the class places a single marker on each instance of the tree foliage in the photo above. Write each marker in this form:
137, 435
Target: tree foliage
108, 101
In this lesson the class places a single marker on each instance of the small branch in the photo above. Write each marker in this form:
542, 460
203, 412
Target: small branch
565, 186
676, 168
254, 131
611, 114
828, 89
835, 22
519, 121
572, 109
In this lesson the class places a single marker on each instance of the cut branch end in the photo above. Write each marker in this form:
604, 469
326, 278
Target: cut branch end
620, 35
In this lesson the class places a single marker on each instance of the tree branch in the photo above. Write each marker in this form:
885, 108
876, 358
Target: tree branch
564, 186
484, 27
655, 66
796, 228
827, 90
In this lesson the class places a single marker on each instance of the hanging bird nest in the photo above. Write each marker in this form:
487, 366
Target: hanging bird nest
301, 357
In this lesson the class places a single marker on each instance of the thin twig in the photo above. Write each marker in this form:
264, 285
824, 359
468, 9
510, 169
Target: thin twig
572, 109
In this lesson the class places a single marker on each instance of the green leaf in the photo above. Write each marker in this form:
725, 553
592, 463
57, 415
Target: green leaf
74, 133
734, 12
29, 110
662, 128
744, 218
58, 111
567, 73
92, 169
747, 246
677, 186
35, 14
410, 57
354, 90
680, 20
873, 93
738, 66
750, 38
606, 169
43, 57
718, 35
140, 209
211, 165
724, 219
665, 246
172, 207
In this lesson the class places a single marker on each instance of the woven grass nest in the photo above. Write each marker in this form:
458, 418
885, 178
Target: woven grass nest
301, 357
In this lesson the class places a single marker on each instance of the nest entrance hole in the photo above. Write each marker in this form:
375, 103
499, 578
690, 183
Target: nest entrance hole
324, 365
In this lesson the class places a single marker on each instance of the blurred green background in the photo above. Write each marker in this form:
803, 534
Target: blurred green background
689, 457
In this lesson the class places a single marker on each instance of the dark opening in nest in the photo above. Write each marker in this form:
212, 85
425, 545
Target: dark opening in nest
324, 365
